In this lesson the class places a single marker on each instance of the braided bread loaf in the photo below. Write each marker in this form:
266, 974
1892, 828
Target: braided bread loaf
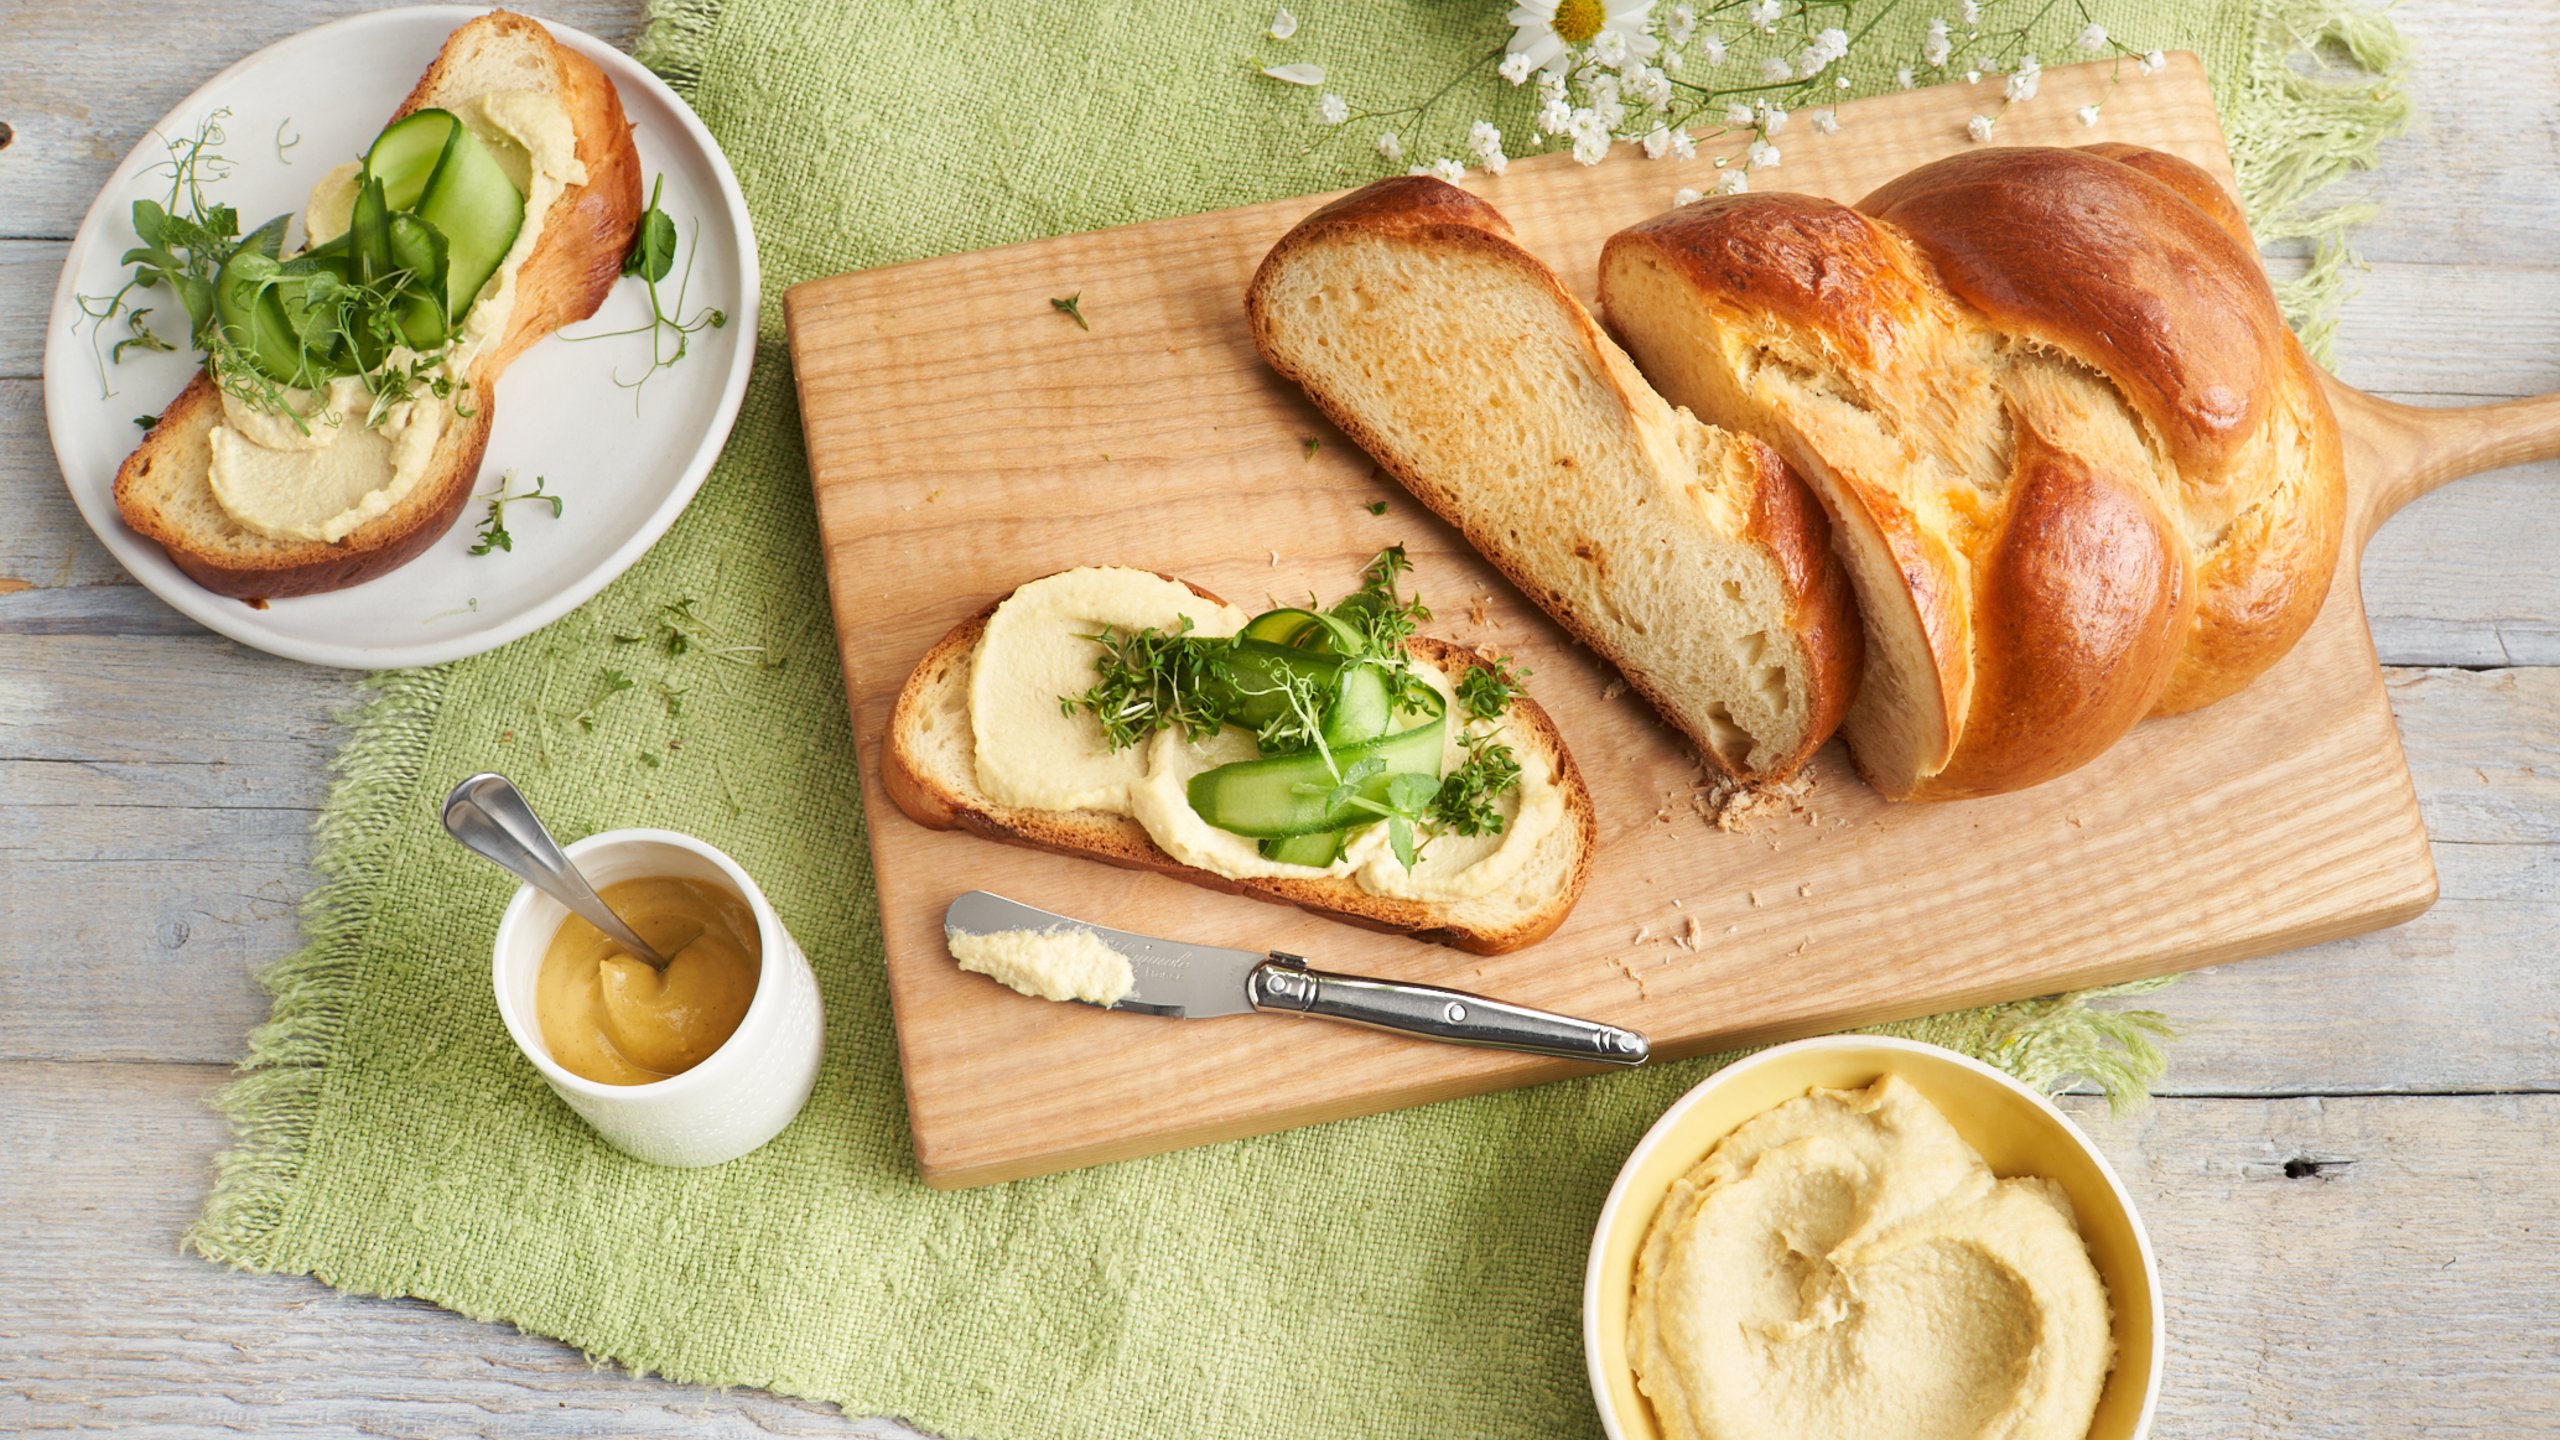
2078, 468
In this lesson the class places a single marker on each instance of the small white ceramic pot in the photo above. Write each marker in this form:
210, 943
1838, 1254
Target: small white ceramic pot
749, 1088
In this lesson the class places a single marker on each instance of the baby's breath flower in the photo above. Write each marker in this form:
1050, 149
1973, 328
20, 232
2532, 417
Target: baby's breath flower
1973, 77
1829, 45
1971, 10
1733, 182
1687, 195
1903, 78
2093, 39
1390, 146
1682, 147
1979, 127
1283, 24
1443, 168
1773, 118
2088, 114
1936, 48
1711, 49
1824, 122
1555, 117
2153, 63
1516, 68
2023, 80
1333, 110
1590, 139
1737, 114
1657, 143
1763, 13
1296, 74
1681, 24
1775, 71
1648, 84
1485, 143
1610, 48
1764, 156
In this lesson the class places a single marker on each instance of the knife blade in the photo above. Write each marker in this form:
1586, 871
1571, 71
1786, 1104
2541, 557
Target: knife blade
1185, 981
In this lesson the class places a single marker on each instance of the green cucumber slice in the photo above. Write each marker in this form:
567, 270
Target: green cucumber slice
1363, 707
1317, 850
249, 306
1279, 796
407, 152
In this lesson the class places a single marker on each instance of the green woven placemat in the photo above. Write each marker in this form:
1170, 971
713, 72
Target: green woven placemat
1403, 1274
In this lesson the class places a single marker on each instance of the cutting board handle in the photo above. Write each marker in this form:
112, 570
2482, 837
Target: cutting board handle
2396, 453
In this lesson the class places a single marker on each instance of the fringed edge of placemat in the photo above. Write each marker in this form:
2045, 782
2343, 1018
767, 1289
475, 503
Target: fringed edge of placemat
677, 40
276, 1101
2322, 92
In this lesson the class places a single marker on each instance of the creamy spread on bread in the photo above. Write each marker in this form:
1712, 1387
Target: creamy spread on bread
1845, 1264
1032, 753
1062, 964
333, 464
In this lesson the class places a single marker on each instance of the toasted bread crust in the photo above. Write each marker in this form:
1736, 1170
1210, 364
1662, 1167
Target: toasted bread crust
564, 280
1122, 841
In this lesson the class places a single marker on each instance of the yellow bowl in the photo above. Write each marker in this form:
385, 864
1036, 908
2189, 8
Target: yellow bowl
2017, 1131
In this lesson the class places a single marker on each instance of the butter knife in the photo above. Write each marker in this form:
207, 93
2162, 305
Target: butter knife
1196, 981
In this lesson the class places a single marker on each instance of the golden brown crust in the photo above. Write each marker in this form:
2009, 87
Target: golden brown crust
2089, 579
1122, 841
2112, 267
1789, 523
563, 281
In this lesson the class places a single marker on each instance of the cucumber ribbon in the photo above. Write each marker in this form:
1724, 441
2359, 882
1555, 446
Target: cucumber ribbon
434, 217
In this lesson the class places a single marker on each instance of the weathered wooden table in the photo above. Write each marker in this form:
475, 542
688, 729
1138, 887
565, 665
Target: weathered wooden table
2350, 1174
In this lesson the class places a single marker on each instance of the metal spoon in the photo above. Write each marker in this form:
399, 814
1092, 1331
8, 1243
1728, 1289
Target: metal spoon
491, 819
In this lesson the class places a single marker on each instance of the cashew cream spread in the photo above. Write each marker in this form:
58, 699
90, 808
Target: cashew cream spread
1032, 754
332, 464
1062, 964
1846, 1265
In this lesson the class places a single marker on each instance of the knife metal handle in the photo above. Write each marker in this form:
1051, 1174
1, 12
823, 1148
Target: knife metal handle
1285, 985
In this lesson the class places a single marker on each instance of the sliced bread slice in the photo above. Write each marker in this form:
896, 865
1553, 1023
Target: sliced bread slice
1690, 557
930, 770
163, 489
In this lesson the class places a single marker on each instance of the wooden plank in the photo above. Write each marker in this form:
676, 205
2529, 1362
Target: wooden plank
87, 81
2278, 818
2401, 1286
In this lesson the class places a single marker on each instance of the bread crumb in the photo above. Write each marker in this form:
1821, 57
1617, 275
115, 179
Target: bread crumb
1736, 806
1755, 899
1676, 905
1275, 559
1697, 933
1643, 933
1476, 610
1806, 891
1613, 689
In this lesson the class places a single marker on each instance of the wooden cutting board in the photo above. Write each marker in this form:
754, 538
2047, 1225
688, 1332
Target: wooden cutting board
964, 437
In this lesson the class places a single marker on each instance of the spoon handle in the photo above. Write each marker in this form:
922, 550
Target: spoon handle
491, 819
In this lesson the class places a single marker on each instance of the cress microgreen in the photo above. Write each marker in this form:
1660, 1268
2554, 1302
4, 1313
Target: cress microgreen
651, 259
493, 527
1487, 690
1154, 679
1071, 306
1463, 802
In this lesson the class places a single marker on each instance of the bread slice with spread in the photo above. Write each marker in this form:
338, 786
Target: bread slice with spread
318, 487
1691, 558
1068, 716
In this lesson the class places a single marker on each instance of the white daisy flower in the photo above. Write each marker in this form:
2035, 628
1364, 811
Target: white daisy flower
2093, 39
1687, 195
1390, 145
1979, 127
1733, 182
1297, 74
1283, 25
1550, 31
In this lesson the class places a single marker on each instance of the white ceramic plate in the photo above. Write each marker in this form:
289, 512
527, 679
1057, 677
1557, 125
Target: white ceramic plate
625, 469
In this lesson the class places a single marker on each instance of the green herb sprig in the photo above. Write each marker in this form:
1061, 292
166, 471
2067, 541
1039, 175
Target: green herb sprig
1156, 679
1486, 691
493, 527
652, 257
1464, 801
1071, 306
